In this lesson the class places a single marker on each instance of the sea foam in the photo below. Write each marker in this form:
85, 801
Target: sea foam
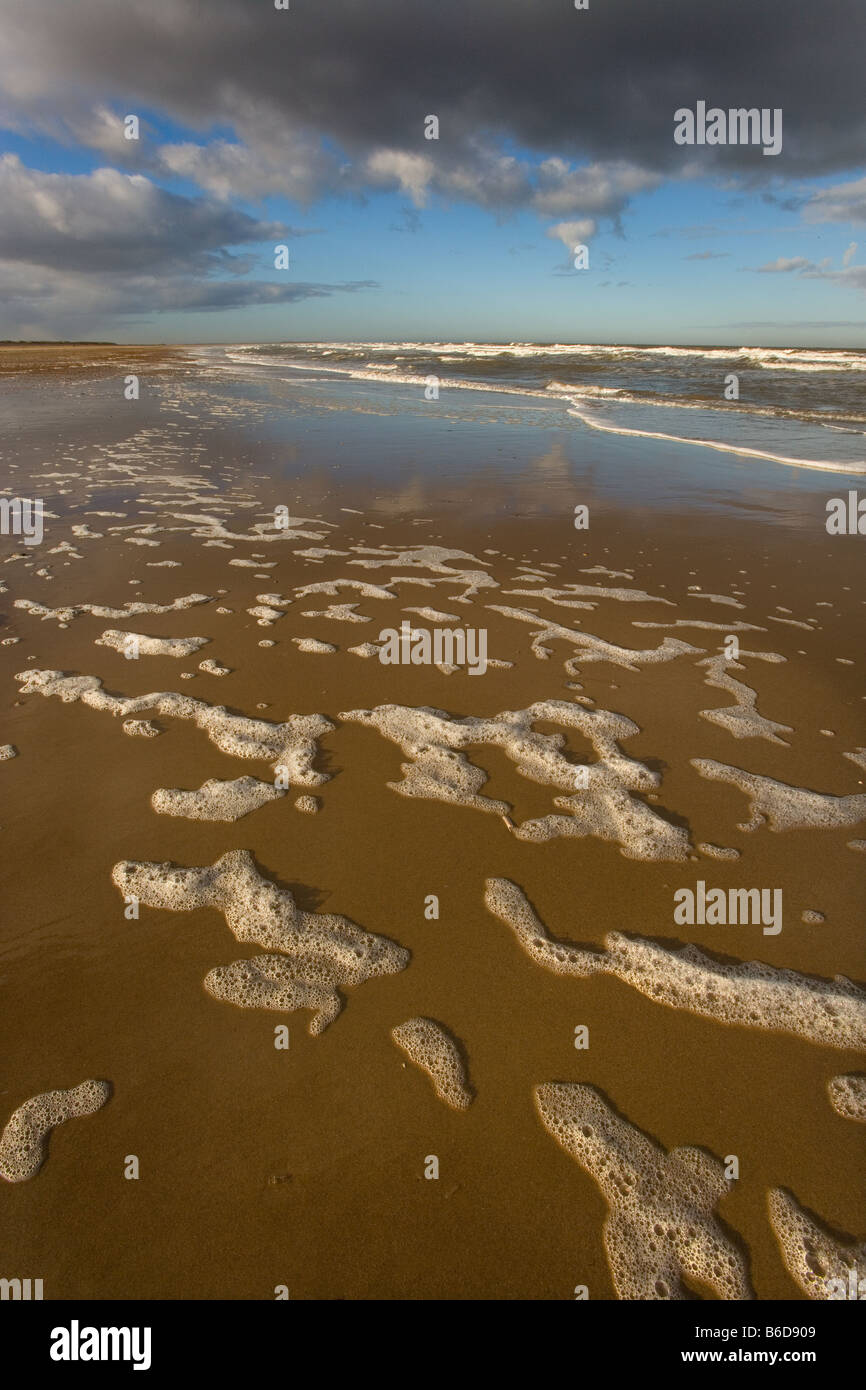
323, 950
661, 1225
748, 993
431, 1047
24, 1142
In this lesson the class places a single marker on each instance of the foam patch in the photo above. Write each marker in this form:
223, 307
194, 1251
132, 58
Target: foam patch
265, 614
24, 1142
434, 615
570, 595
129, 610
603, 807
337, 613
141, 728
433, 558
291, 745
741, 719
661, 1225
815, 1258
785, 807
325, 950
748, 993
311, 644
273, 982
594, 649
216, 800
431, 1047
150, 646
332, 587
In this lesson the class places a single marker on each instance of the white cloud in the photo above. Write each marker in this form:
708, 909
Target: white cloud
110, 221
595, 188
299, 169
411, 173
573, 234
844, 202
783, 264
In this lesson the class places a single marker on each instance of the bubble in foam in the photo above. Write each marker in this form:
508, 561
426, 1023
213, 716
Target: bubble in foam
432, 1048
749, 993
848, 1095
785, 807
24, 1142
216, 800
324, 950
661, 1227
816, 1258
309, 804
7, 751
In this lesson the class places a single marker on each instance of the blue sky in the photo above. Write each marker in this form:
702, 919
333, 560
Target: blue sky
391, 236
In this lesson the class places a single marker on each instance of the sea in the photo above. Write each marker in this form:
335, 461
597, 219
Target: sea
805, 407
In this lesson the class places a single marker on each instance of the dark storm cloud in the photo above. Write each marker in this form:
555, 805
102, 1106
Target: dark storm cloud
566, 113
40, 297
599, 85
240, 294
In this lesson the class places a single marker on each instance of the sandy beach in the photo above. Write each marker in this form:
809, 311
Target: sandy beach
305, 1166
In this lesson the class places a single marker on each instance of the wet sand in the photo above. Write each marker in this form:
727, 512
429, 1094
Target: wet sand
305, 1167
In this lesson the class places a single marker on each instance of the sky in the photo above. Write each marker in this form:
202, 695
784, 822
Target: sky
306, 127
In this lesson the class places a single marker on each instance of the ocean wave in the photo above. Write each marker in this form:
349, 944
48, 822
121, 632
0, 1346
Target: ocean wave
781, 359
826, 465
578, 397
